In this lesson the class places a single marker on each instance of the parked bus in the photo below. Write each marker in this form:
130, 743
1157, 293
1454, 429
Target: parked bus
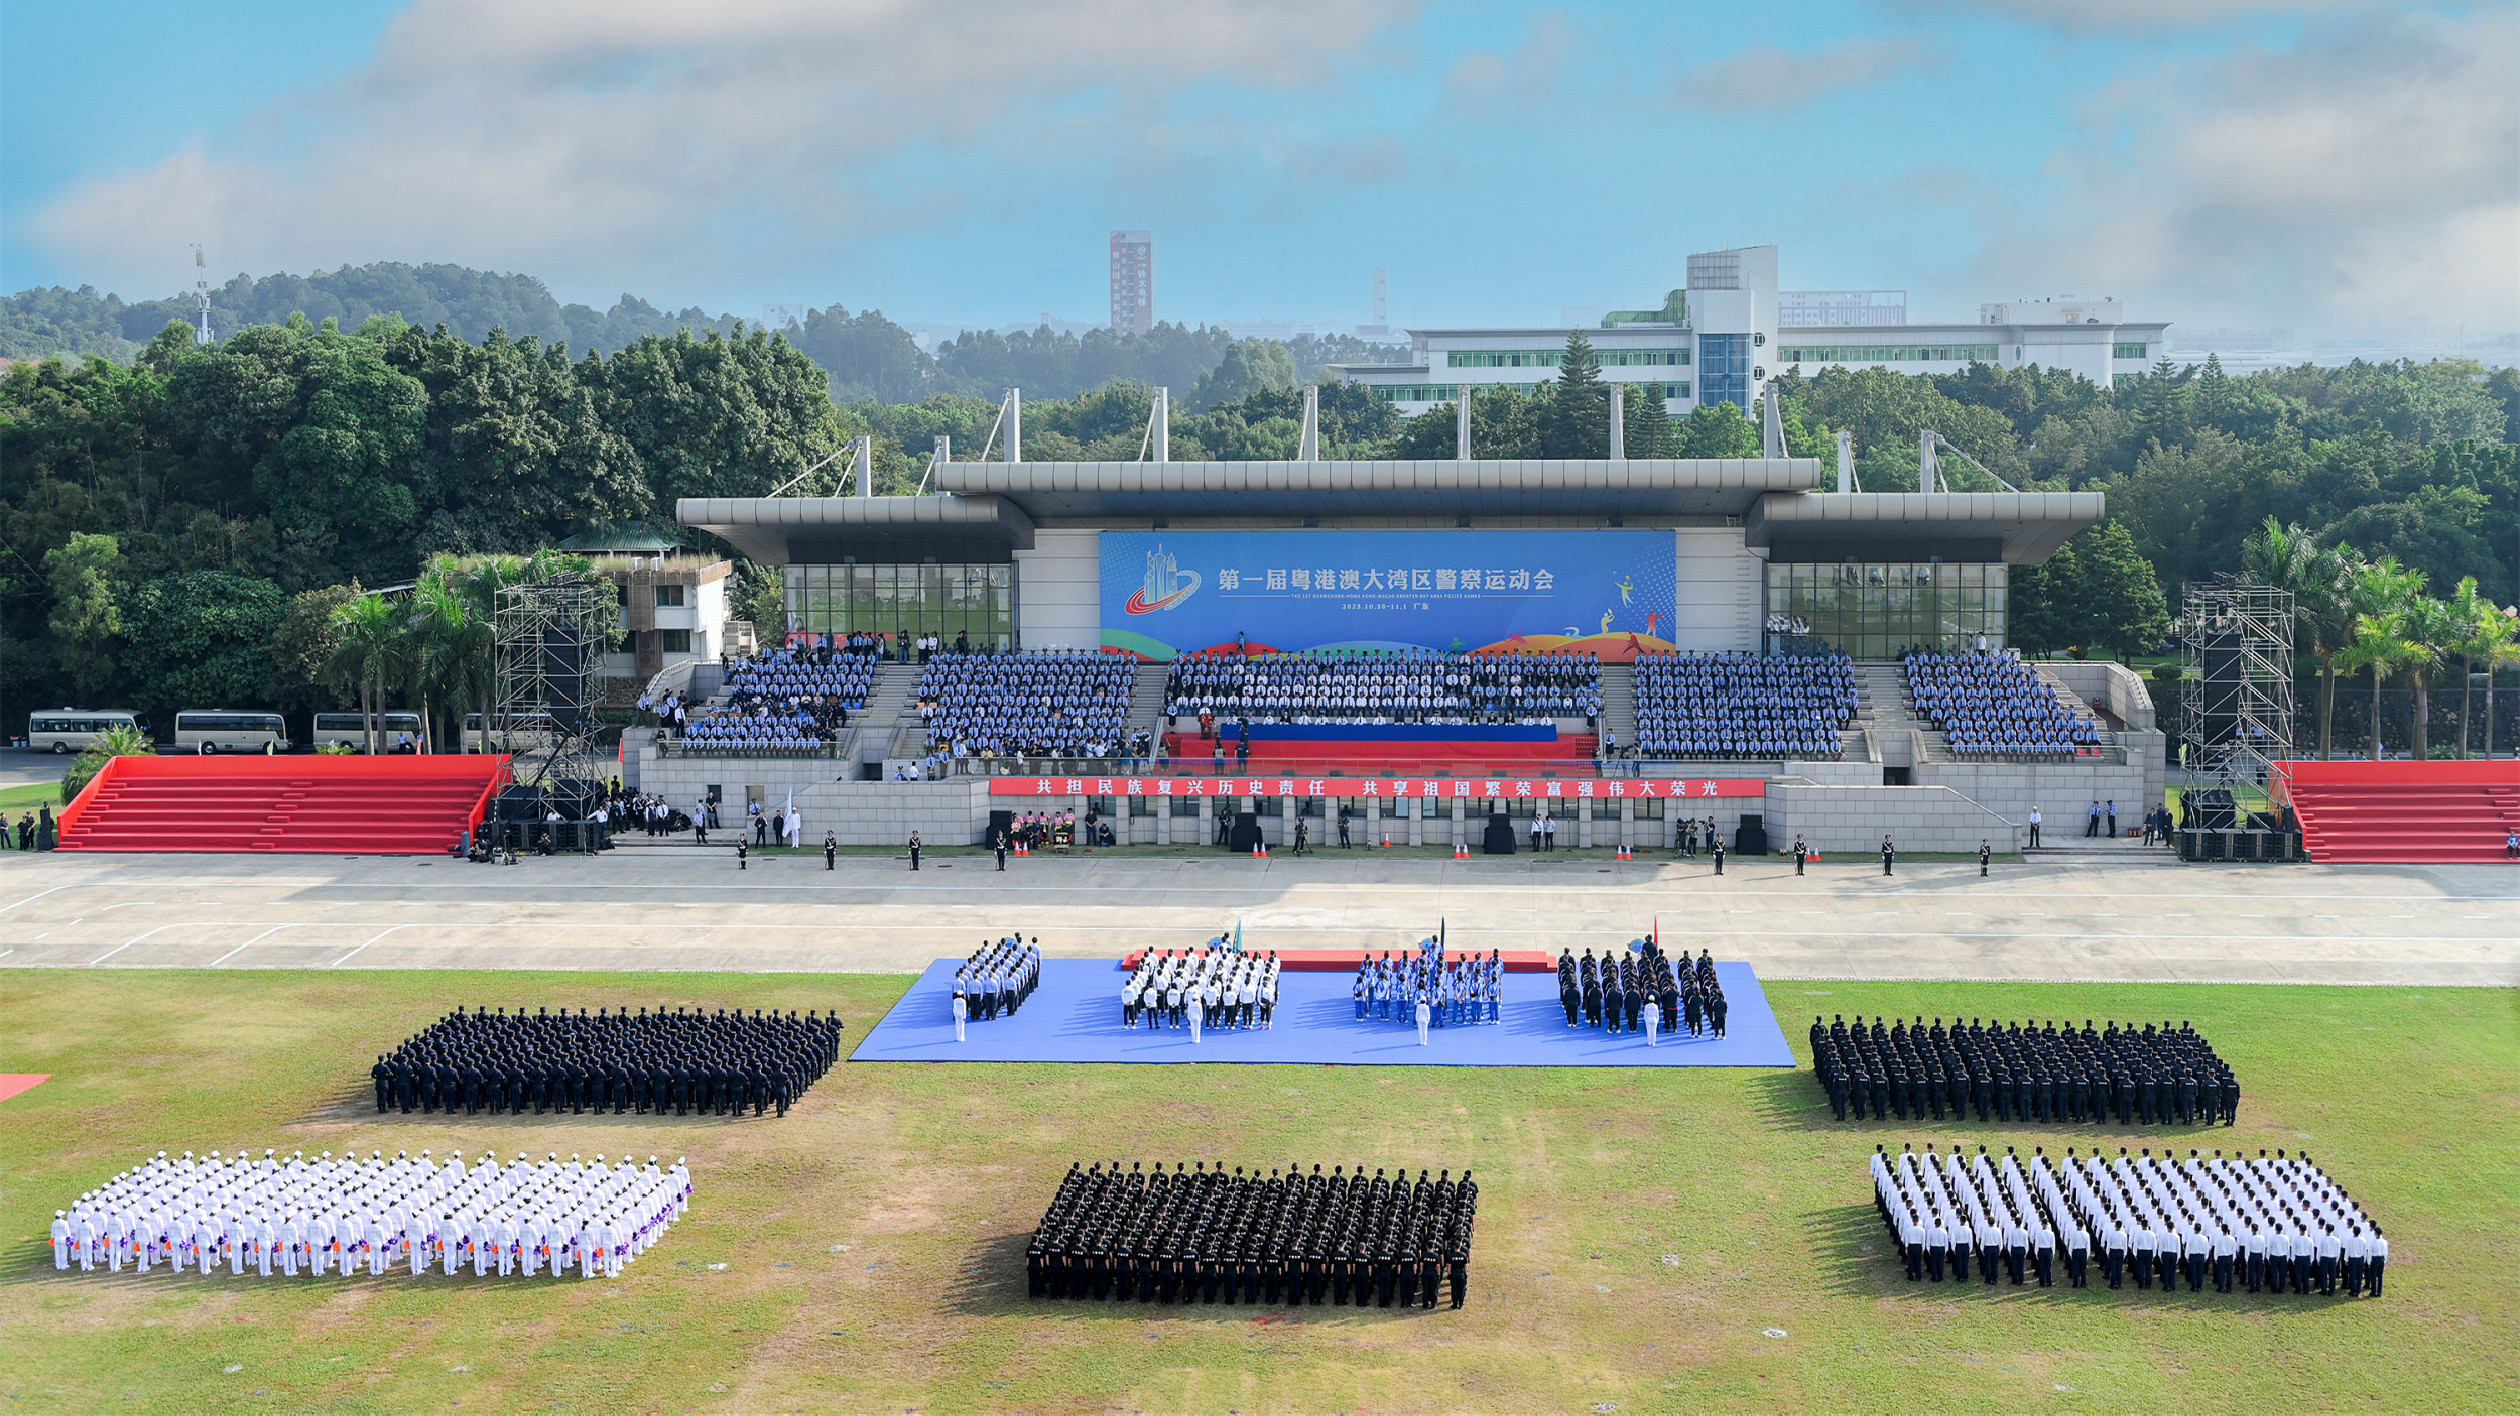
400, 732
209, 730
529, 731
71, 729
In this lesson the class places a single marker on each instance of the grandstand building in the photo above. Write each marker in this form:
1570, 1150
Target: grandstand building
1431, 643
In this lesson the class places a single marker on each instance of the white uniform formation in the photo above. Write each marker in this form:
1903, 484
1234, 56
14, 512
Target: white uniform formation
1206, 988
377, 1216
2275, 1225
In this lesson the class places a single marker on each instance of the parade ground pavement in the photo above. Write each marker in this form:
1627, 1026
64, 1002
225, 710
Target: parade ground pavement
2125, 916
1649, 1239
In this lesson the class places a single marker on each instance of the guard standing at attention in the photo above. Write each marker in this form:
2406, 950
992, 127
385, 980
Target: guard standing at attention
1986, 853
1889, 853
914, 850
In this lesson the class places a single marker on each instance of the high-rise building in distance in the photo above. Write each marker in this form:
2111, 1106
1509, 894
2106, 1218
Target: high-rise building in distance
1132, 282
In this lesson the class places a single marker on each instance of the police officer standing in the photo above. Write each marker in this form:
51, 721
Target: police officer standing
914, 850
1889, 853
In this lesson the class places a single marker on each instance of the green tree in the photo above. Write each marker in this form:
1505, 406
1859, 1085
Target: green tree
2497, 644
453, 660
2380, 594
2475, 624
1647, 422
86, 615
303, 643
106, 746
1717, 430
202, 639
2118, 596
1249, 366
1575, 416
373, 657
2319, 577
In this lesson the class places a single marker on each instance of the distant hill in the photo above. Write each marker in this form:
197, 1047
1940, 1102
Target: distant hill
471, 303
870, 359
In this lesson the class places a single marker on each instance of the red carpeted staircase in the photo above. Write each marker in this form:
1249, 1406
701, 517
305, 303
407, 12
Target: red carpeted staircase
339, 805
2433, 813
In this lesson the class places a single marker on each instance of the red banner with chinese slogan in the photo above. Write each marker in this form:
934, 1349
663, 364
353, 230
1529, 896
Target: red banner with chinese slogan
1422, 788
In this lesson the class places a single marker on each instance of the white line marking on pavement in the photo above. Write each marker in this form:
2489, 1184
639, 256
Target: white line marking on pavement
250, 943
127, 904
126, 944
4, 953
4, 909
337, 963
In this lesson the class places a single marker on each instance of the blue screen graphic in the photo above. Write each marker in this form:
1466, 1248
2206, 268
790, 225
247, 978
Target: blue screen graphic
1172, 592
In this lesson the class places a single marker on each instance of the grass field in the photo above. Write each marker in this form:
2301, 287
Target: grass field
1641, 1229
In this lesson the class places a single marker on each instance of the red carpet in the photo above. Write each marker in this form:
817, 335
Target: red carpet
318, 804
11, 1083
2404, 813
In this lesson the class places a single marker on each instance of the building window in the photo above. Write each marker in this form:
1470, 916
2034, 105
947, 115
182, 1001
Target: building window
674, 641
1724, 369
1415, 393
669, 597
1891, 353
1878, 610
2128, 351
974, 601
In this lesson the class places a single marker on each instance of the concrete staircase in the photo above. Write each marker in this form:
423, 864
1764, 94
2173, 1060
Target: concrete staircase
1618, 703
888, 704
1882, 698
1146, 704
2074, 701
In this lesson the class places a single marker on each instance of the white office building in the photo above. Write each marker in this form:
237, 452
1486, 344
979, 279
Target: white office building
1720, 339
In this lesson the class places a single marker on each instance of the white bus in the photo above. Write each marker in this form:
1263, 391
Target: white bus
71, 729
209, 730
531, 730
399, 731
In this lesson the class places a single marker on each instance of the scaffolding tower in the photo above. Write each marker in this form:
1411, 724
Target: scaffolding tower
551, 637
2235, 681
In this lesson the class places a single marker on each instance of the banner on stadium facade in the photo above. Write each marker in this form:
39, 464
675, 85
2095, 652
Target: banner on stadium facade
1608, 592
1423, 788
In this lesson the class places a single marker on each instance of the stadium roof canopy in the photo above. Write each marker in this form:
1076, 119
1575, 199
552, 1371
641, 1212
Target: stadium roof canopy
998, 505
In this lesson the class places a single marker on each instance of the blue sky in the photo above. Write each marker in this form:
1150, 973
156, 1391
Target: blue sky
2321, 165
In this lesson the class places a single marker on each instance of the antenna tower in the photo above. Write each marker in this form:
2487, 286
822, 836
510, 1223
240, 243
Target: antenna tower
201, 293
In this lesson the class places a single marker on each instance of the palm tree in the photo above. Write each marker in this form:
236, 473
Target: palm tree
2291, 558
2373, 599
456, 647
2432, 631
374, 654
2497, 642
2469, 611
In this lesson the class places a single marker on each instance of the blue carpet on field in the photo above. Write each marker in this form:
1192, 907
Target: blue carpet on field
1074, 1016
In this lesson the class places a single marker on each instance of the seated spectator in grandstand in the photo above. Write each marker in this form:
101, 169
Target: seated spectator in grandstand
1061, 704
781, 700
1741, 705
1995, 703
1413, 686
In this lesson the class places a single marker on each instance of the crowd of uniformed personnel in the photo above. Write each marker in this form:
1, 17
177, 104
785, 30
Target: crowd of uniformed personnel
1617, 992
713, 1063
1201, 1235
2152, 1077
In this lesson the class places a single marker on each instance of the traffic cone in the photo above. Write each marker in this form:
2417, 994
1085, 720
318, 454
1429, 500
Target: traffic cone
1259, 849
1626, 854
1461, 850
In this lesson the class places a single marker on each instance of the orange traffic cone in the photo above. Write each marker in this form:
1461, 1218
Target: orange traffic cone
1461, 850
1626, 854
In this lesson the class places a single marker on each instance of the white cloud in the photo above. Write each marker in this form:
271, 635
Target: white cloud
2147, 16
1525, 77
1773, 80
2366, 177
626, 138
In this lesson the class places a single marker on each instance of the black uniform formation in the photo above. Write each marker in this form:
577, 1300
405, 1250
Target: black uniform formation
715, 1064
1201, 1235
2155, 1077
1611, 992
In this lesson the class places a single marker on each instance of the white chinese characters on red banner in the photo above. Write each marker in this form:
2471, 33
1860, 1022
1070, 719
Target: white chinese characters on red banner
1424, 788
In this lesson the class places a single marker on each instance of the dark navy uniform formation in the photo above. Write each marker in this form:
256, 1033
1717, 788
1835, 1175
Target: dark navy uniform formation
1201, 1235
2151, 1077
1612, 992
715, 1064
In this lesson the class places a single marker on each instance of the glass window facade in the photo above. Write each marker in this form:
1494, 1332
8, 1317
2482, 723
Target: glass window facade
2123, 350
1724, 370
946, 599
1891, 353
1875, 610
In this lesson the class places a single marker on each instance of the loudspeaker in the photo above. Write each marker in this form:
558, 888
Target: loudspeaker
1000, 823
1750, 838
567, 677
2212, 810
1499, 836
1246, 832
2219, 703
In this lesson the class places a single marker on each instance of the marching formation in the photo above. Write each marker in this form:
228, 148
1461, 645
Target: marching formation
1000, 974
2155, 1077
1201, 1235
1455, 991
716, 1064
2275, 1226
373, 1216
1642, 991
1201, 988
